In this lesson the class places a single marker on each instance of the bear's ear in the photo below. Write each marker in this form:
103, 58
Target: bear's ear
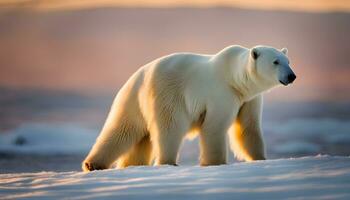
284, 51
255, 53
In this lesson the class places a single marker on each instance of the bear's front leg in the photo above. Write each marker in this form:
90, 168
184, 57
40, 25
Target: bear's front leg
246, 134
213, 134
167, 135
213, 147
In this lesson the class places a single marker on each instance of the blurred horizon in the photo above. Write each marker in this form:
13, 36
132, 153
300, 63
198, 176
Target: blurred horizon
64, 49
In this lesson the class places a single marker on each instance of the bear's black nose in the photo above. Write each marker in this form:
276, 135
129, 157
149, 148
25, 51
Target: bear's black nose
291, 78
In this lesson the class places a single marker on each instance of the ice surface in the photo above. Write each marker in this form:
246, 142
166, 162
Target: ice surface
319, 177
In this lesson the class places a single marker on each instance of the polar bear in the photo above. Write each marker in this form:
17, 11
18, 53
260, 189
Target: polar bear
217, 96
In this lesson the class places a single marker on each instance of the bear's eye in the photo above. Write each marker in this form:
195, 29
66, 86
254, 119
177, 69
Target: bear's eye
276, 62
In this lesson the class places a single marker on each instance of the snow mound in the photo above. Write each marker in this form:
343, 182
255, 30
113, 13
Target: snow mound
320, 177
48, 139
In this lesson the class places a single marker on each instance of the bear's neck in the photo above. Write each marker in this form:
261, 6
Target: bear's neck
239, 73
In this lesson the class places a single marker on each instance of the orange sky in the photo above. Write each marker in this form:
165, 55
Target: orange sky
295, 5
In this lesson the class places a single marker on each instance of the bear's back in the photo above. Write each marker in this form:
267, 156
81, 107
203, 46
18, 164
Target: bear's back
181, 62
176, 68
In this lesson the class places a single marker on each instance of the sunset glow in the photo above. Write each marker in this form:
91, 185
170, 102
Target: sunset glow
297, 5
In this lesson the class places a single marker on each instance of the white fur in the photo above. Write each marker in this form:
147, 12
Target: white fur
181, 93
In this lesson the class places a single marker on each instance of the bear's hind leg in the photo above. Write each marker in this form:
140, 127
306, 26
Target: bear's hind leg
140, 154
111, 144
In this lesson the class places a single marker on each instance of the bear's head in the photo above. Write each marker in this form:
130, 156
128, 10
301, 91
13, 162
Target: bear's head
271, 66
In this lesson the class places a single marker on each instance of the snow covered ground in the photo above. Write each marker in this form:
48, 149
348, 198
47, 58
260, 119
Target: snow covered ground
319, 177
54, 152
48, 139
290, 138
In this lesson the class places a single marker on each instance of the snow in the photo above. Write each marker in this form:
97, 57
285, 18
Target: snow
307, 136
297, 147
48, 139
318, 177
311, 127
293, 137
